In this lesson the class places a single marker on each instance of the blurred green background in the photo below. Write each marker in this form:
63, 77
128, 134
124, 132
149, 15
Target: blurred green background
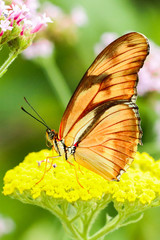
20, 134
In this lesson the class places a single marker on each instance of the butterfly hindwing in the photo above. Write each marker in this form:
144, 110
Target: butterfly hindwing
110, 145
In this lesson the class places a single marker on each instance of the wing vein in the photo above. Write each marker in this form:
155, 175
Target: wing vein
117, 151
106, 159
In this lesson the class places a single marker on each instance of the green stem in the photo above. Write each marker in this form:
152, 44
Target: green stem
7, 63
92, 217
79, 228
68, 225
109, 227
90, 220
56, 80
133, 220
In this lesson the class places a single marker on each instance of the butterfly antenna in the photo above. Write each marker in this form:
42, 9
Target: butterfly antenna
42, 122
35, 111
34, 117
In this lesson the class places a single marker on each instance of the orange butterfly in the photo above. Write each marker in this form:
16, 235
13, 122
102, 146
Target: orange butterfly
101, 124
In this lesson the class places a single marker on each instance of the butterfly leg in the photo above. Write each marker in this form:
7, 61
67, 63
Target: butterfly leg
77, 177
44, 171
75, 173
79, 168
51, 164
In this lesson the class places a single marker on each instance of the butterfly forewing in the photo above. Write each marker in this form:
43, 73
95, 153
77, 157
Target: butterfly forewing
102, 118
112, 76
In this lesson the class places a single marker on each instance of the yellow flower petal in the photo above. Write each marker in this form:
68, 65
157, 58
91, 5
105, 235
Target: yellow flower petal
140, 183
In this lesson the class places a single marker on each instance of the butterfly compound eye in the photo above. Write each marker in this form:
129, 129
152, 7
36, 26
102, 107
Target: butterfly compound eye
50, 134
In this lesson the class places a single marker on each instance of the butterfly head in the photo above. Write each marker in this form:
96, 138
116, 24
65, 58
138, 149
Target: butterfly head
50, 135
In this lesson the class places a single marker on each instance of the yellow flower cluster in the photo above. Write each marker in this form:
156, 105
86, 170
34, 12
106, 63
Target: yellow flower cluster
141, 182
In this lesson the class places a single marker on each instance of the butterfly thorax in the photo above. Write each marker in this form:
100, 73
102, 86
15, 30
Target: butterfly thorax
58, 145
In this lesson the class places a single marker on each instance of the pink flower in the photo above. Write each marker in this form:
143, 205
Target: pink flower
32, 5
6, 225
79, 16
40, 22
53, 10
40, 48
5, 25
3, 8
17, 2
22, 14
45, 19
15, 12
149, 76
105, 40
